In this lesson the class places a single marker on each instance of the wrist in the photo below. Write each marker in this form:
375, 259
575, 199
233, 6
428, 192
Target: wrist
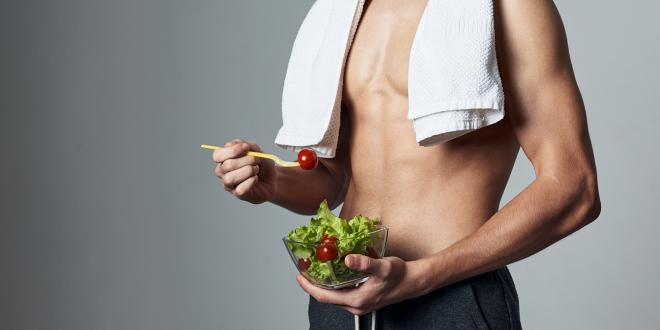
425, 276
421, 277
273, 193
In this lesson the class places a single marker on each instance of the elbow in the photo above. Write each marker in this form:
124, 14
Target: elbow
581, 205
339, 195
587, 203
594, 208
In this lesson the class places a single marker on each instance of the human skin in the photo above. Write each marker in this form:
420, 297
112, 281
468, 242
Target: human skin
441, 203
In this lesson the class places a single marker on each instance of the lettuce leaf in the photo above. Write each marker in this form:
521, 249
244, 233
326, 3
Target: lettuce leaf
352, 237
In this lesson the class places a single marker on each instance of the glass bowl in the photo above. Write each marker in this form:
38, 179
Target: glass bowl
334, 274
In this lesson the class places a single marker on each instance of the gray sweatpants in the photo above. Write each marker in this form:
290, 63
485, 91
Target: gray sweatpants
486, 301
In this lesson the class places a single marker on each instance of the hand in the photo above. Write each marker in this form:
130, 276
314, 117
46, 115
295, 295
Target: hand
392, 280
248, 178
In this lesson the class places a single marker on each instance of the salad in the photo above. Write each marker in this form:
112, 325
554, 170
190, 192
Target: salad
321, 246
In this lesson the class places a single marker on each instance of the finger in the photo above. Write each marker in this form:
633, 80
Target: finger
245, 186
233, 164
358, 262
233, 151
323, 295
234, 178
253, 146
218, 170
232, 142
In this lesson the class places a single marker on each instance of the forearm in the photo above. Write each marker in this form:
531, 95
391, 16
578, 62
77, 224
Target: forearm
545, 212
302, 191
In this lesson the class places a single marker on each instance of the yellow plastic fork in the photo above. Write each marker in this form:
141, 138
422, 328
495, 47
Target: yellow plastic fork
274, 158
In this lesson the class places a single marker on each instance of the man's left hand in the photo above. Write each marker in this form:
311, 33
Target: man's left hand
391, 280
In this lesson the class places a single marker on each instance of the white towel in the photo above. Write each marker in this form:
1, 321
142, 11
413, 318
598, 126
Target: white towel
454, 85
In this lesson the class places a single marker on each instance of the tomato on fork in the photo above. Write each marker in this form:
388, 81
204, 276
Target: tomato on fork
307, 159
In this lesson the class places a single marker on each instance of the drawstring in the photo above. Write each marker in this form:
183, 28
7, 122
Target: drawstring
373, 321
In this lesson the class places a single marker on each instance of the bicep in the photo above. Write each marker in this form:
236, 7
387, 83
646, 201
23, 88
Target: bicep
543, 101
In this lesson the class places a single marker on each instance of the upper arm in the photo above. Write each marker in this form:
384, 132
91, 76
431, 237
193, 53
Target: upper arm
544, 104
339, 167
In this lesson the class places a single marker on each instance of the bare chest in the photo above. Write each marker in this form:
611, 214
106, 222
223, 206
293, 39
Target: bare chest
378, 59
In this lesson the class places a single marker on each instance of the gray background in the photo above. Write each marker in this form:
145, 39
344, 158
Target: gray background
111, 217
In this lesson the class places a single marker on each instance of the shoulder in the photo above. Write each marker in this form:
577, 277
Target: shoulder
530, 35
543, 100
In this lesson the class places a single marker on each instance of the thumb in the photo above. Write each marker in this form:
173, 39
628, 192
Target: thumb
366, 264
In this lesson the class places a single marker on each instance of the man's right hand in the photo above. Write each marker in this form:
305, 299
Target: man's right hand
246, 177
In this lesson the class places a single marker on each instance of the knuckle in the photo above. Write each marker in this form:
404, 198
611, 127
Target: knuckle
217, 156
228, 165
229, 179
243, 189
366, 263
387, 268
358, 303
218, 170
322, 298
254, 145
356, 262
236, 150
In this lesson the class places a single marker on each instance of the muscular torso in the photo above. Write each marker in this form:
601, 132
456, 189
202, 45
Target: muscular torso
430, 197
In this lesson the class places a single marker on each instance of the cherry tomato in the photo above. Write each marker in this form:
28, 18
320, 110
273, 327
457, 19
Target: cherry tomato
371, 252
303, 264
326, 251
328, 239
307, 159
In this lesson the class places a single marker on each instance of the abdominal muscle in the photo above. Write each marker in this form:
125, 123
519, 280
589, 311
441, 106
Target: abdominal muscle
429, 197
